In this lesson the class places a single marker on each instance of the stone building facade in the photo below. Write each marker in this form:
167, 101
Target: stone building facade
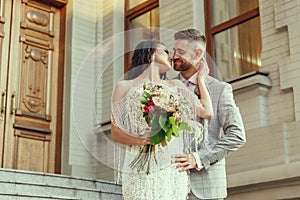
266, 167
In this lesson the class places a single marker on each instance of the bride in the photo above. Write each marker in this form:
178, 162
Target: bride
130, 130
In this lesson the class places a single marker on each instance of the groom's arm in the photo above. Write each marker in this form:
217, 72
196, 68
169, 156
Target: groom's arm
231, 122
234, 136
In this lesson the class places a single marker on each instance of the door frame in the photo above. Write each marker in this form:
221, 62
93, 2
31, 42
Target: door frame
60, 91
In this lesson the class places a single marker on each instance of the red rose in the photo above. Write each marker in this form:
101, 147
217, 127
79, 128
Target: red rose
150, 102
151, 109
146, 109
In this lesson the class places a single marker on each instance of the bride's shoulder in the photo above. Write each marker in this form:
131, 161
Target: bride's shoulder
121, 89
123, 84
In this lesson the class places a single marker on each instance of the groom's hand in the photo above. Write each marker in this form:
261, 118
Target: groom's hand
185, 162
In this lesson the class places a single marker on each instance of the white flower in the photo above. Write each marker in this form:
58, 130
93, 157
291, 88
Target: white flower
156, 100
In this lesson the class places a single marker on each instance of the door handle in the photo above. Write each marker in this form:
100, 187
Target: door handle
12, 103
3, 104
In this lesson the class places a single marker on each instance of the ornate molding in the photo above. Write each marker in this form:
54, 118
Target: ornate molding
33, 105
37, 17
36, 55
55, 3
59, 3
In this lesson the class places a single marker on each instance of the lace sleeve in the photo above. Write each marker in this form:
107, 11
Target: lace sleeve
126, 117
118, 114
127, 113
113, 121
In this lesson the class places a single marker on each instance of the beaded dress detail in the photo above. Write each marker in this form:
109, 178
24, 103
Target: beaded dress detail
164, 180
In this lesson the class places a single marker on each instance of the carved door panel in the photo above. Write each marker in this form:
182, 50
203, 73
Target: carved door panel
31, 102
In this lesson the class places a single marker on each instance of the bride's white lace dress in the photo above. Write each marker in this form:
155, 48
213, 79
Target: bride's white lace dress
164, 181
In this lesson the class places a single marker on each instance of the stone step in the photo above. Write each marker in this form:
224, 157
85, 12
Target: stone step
36, 185
24, 197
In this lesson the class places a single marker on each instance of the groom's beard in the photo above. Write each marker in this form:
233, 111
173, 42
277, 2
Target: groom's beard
181, 64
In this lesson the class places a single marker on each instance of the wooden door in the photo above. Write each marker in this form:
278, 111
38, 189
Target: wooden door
4, 52
31, 138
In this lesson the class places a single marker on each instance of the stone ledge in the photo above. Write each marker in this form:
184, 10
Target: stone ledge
275, 178
259, 78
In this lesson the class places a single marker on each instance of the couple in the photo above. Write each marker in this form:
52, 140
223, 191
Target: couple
199, 166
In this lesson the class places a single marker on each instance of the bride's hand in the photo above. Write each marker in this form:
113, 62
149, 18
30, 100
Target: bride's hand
203, 71
146, 136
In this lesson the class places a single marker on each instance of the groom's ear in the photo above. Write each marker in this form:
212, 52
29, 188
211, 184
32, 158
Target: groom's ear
199, 53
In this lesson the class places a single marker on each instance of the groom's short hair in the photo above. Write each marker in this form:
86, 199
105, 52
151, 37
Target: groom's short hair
191, 35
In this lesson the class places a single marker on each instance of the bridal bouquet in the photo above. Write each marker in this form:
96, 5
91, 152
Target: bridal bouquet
165, 114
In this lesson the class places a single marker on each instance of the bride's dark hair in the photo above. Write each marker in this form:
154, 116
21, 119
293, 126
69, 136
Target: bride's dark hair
142, 58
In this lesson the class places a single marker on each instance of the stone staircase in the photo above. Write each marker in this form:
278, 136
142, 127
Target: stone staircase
26, 185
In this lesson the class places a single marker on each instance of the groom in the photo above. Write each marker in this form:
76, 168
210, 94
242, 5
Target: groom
225, 130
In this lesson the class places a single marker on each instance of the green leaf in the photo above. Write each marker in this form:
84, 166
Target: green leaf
169, 135
184, 126
143, 100
157, 137
147, 94
166, 127
175, 130
188, 128
172, 120
155, 122
162, 120
147, 119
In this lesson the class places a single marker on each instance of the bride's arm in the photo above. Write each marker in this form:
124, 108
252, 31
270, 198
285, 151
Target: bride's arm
205, 110
118, 135
122, 137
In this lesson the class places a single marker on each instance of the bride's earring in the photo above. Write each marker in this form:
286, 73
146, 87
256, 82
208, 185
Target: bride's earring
151, 59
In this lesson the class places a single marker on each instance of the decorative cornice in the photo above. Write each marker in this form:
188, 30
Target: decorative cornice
56, 3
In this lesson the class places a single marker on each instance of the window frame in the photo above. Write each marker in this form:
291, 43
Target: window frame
131, 14
210, 30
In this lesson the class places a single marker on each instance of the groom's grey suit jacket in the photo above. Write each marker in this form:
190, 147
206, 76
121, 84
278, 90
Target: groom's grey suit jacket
225, 134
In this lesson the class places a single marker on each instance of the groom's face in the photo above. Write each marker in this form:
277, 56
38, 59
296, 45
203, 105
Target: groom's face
183, 56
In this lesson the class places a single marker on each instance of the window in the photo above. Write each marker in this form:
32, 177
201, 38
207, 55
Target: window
233, 36
133, 3
143, 15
